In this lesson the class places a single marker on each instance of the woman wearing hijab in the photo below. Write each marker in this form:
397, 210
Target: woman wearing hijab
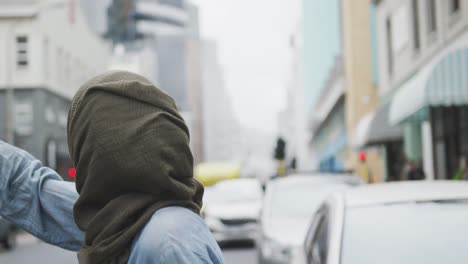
136, 200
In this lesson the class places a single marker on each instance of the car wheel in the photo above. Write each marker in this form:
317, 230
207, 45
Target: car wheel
10, 241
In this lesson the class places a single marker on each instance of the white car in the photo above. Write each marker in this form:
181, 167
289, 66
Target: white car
288, 208
231, 209
405, 223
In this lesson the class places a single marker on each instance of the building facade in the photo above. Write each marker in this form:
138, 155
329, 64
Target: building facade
49, 52
296, 132
329, 125
423, 53
170, 24
321, 44
133, 57
361, 87
170, 28
221, 131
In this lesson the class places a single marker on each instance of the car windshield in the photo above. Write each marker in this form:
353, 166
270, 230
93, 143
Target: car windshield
299, 200
416, 233
234, 192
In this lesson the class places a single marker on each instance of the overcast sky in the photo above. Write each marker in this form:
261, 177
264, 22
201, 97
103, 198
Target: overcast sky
253, 40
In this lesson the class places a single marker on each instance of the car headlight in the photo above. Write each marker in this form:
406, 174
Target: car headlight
273, 250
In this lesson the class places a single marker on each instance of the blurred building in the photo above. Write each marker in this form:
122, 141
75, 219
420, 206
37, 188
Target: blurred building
321, 44
196, 97
297, 133
361, 91
370, 132
133, 57
329, 139
221, 130
49, 51
95, 13
193, 67
167, 22
423, 62
170, 28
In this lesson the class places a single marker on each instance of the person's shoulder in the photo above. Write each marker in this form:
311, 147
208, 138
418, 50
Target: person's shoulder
177, 231
175, 220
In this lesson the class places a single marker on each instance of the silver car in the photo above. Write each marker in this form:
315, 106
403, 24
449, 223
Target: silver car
231, 209
288, 208
405, 223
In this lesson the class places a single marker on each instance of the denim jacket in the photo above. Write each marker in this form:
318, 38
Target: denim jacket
36, 199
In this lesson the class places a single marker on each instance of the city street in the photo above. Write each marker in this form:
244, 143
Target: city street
31, 250
240, 253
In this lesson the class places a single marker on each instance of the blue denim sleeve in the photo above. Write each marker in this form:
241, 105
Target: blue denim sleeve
175, 235
36, 199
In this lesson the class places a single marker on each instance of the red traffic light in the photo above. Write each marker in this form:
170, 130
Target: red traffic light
362, 156
72, 173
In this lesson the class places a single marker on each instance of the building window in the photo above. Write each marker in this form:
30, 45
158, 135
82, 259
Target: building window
24, 117
21, 51
389, 46
454, 6
431, 16
416, 39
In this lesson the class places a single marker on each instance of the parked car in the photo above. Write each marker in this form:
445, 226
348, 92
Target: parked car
213, 172
7, 234
288, 208
405, 223
232, 209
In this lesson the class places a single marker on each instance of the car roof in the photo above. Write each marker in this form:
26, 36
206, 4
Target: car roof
403, 192
237, 182
325, 178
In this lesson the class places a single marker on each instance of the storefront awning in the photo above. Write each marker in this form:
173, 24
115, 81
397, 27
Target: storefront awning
442, 82
381, 130
362, 131
375, 128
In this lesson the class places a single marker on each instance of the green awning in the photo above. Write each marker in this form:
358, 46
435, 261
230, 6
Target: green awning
443, 82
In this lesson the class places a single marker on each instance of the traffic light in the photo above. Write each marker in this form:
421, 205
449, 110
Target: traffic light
280, 150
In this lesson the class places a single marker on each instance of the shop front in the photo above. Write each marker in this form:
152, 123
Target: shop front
379, 139
432, 107
450, 139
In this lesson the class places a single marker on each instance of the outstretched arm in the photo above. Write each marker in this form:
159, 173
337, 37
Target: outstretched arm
36, 199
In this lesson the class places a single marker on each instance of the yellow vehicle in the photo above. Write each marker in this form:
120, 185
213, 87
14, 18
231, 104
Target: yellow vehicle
212, 173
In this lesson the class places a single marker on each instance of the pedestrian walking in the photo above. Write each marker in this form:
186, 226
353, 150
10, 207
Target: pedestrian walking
135, 198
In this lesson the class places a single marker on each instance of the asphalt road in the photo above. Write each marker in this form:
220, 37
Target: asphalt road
240, 254
30, 250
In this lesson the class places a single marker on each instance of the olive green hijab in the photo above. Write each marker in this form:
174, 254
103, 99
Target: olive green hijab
131, 151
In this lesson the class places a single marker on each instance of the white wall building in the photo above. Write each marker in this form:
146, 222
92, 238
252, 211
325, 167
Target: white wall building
48, 51
48, 44
136, 60
298, 134
221, 130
